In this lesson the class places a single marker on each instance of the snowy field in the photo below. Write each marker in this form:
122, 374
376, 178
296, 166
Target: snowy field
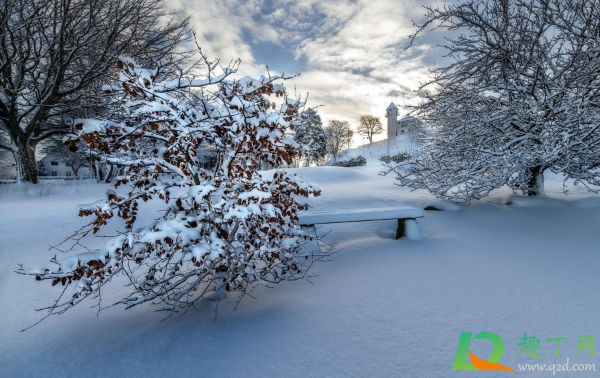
379, 308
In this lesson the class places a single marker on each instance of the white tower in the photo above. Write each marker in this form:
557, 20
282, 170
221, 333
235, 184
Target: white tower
391, 114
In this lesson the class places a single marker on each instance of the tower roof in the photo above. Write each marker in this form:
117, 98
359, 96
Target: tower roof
392, 106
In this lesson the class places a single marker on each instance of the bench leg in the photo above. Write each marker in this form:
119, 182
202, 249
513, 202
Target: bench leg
311, 246
408, 228
309, 229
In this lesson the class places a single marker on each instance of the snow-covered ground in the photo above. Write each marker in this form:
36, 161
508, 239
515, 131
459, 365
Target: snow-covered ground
373, 151
379, 308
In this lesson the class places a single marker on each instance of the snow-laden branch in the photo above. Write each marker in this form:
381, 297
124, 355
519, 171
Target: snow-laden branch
228, 228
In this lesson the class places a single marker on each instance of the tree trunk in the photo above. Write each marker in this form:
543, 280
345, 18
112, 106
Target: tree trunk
26, 164
98, 171
110, 174
535, 184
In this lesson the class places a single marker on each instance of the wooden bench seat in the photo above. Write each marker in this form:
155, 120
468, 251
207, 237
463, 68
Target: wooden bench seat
406, 216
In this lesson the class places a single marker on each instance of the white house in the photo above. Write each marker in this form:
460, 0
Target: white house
400, 126
55, 166
7, 170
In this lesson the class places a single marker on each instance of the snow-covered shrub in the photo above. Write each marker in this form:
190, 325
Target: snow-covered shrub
225, 227
398, 158
352, 162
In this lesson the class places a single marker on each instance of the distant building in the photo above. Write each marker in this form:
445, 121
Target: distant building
55, 166
401, 126
7, 170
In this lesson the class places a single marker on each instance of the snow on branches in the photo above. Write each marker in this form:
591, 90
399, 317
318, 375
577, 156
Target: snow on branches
225, 226
520, 97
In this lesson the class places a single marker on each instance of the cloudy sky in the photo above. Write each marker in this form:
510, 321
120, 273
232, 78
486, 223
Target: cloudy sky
351, 54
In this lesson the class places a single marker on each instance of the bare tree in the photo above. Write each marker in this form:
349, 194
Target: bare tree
76, 160
520, 98
55, 53
369, 126
338, 134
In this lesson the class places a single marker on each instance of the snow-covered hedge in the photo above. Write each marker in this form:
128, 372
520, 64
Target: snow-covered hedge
398, 158
352, 162
227, 228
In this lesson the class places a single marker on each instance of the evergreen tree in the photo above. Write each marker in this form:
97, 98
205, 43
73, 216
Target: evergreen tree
41, 169
310, 134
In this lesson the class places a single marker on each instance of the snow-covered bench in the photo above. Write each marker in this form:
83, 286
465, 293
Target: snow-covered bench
406, 216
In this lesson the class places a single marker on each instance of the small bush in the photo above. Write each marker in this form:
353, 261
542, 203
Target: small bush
353, 162
398, 158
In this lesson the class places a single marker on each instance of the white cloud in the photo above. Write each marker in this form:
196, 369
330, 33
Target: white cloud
219, 27
354, 51
354, 69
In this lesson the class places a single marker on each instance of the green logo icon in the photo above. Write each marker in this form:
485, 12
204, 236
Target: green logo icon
460, 361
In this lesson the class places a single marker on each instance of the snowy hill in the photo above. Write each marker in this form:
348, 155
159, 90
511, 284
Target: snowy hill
373, 151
